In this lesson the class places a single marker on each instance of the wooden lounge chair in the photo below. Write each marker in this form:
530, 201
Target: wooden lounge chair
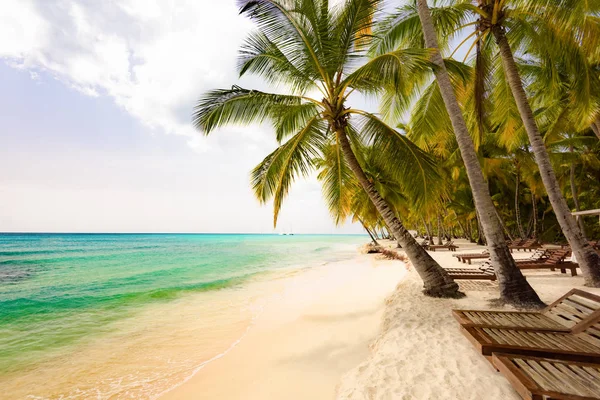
449, 245
513, 243
573, 310
555, 260
583, 346
527, 245
542, 378
541, 255
538, 255
486, 273
467, 257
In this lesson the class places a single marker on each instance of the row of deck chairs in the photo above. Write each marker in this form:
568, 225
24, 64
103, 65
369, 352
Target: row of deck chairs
524, 244
552, 354
543, 259
539, 253
449, 245
527, 245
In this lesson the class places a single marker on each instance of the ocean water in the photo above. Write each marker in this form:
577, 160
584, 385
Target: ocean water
131, 315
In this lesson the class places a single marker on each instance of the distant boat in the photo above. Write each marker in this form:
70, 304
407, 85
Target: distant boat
289, 233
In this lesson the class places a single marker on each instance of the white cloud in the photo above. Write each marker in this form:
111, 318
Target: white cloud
153, 57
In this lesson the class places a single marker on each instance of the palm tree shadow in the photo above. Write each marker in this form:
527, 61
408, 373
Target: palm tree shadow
341, 317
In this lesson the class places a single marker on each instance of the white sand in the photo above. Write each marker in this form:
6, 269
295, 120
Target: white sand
330, 332
420, 352
316, 326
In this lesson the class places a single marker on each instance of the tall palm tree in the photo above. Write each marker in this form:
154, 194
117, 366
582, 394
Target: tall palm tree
498, 17
316, 51
514, 288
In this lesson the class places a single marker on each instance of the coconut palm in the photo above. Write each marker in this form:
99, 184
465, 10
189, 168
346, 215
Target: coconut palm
500, 19
540, 29
514, 288
316, 52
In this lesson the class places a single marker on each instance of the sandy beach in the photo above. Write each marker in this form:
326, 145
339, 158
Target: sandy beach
307, 336
361, 329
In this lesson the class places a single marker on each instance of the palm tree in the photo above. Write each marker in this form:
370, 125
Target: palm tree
315, 50
497, 17
514, 289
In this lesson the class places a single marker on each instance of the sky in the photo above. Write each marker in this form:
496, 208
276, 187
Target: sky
95, 132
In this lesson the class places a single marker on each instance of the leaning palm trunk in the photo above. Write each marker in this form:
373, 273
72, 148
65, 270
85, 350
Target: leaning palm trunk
503, 225
596, 127
436, 281
517, 208
514, 289
535, 217
575, 195
369, 232
427, 232
462, 228
588, 259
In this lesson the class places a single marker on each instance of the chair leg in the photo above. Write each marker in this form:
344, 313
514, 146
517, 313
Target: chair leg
574, 271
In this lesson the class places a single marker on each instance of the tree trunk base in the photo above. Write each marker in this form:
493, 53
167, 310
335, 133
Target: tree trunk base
447, 291
518, 302
591, 268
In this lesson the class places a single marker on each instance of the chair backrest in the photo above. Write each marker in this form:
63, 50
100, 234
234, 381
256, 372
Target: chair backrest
591, 334
487, 268
577, 309
557, 256
540, 254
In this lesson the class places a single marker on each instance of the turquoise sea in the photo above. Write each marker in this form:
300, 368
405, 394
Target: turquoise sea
70, 303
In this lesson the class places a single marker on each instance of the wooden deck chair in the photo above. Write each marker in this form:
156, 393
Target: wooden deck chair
467, 257
484, 273
556, 260
449, 245
527, 245
541, 255
543, 378
583, 346
574, 309
515, 243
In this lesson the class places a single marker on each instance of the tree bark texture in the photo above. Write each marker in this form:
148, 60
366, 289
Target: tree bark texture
588, 259
436, 281
514, 289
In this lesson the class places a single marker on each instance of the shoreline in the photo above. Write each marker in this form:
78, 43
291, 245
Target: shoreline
306, 337
408, 347
357, 327
157, 326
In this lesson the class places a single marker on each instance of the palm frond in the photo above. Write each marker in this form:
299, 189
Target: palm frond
237, 105
402, 28
273, 177
338, 182
407, 163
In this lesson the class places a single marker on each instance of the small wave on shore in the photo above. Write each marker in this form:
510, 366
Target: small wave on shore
132, 316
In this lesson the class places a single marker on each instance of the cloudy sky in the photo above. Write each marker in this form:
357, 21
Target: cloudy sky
95, 133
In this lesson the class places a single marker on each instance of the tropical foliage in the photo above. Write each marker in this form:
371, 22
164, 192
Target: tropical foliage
402, 168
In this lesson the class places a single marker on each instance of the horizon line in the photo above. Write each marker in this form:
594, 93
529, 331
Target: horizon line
165, 233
